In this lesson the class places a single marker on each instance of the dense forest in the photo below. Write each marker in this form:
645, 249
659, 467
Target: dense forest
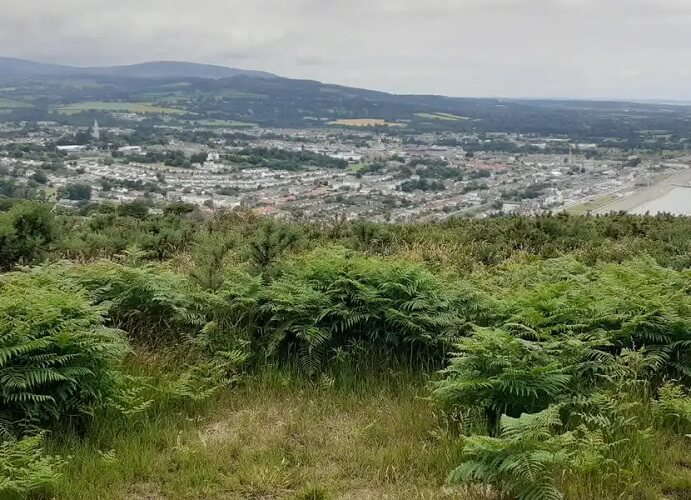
234, 356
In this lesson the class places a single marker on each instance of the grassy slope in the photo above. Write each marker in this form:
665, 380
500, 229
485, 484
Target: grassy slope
275, 438
124, 107
278, 438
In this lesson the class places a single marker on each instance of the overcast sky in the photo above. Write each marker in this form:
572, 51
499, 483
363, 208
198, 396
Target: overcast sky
512, 48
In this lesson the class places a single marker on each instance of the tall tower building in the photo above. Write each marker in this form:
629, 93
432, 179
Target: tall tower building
95, 131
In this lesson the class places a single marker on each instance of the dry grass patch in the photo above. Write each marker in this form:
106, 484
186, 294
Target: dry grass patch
366, 122
344, 445
275, 438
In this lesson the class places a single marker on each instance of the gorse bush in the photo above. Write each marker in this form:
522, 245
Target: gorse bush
107, 234
271, 241
209, 256
57, 360
460, 243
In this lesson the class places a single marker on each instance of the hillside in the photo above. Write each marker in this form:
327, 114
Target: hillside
19, 68
182, 356
202, 92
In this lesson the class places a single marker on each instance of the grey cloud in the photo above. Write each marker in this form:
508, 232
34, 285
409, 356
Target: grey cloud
552, 48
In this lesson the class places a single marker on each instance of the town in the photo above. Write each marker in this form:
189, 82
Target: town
316, 173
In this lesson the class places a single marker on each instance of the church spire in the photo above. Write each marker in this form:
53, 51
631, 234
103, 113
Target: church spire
95, 131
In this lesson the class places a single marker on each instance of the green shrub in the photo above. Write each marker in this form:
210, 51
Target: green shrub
636, 305
270, 242
502, 374
673, 408
584, 355
522, 462
58, 363
206, 377
209, 256
26, 230
152, 304
332, 301
25, 470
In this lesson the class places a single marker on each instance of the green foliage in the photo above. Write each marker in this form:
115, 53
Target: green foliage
78, 191
573, 363
282, 159
26, 230
423, 184
25, 470
673, 408
40, 177
204, 379
590, 349
330, 301
210, 253
534, 451
137, 209
150, 303
57, 361
271, 241
636, 305
503, 374
167, 238
521, 462
374, 237
179, 208
105, 234
199, 157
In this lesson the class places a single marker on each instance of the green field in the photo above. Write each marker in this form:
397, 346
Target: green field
238, 94
441, 116
165, 98
225, 123
365, 122
13, 104
82, 83
122, 107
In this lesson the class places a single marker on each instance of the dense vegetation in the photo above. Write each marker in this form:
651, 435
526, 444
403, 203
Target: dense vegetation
281, 159
286, 103
552, 356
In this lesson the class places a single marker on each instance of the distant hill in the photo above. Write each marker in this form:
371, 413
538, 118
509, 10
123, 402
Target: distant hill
174, 69
17, 68
31, 91
10, 67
